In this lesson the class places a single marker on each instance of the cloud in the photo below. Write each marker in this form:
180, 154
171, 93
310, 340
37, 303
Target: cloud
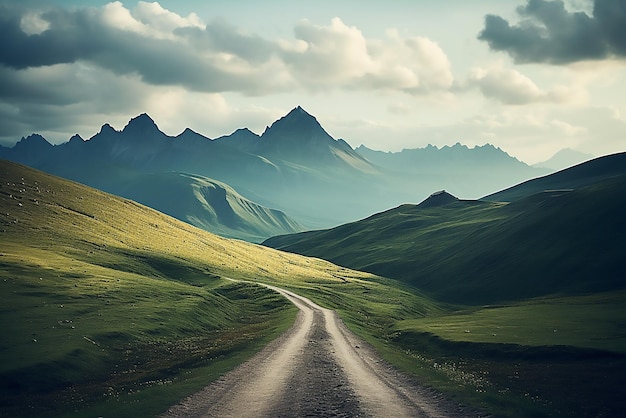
340, 55
63, 68
506, 85
158, 48
511, 87
549, 33
163, 48
162, 20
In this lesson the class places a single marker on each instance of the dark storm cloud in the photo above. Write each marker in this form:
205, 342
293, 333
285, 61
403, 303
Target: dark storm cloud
58, 45
550, 33
222, 36
189, 58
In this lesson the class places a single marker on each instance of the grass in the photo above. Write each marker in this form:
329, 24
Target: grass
100, 336
595, 321
535, 325
475, 253
525, 369
107, 305
110, 308
546, 357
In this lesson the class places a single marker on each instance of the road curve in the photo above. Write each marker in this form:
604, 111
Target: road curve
317, 368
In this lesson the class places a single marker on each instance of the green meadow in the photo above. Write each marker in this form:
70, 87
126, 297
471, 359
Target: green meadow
530, 317
108, 306
112, 309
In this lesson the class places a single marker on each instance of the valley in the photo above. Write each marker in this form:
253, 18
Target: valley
145, 304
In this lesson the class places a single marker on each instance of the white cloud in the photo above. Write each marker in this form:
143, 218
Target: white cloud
511, 87
506, 85
163, 20
32, 23
119, 17
328, 55
339, 56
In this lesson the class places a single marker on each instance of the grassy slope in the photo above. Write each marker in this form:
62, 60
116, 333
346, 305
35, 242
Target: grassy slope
109, 305
580, 175
475, 252
516, 358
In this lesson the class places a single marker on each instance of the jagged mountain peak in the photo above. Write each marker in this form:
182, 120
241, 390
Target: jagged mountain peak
105, 129
299, 111
245, 132
187, 131
297, 120
142, 122
298, 136
76, 139
33, 140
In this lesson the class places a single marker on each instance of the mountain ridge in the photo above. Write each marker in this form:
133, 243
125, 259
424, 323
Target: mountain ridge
295, 166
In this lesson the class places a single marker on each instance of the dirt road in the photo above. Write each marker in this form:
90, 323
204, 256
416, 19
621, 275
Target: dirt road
317, 368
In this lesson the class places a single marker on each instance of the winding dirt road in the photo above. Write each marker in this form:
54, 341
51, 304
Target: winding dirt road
317, 368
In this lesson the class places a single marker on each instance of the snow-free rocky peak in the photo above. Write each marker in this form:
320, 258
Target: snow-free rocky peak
141, 125
297, 123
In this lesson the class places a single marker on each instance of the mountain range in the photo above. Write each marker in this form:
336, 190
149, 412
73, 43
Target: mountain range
308, 178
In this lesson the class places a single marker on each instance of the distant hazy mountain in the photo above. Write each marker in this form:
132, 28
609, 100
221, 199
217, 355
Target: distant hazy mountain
567, 241
564, 158
295, 166
466, 172
207, 204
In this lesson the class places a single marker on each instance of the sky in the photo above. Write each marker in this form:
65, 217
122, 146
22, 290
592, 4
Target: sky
529, 76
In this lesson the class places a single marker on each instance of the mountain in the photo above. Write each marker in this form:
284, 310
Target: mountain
584, 174
242, 139
482, 252
295, 167
207, 204
299, 137
564, 158
464, 171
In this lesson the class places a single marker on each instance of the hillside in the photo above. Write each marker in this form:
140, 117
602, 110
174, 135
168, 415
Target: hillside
111, 308
207, 204
580, 175
478, 252
93, 283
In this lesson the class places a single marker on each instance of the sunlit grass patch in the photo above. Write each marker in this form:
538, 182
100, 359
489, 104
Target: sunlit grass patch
591, 321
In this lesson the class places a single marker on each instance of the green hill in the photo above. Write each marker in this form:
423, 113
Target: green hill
476, 252
109, 306
541, 284
581, 175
